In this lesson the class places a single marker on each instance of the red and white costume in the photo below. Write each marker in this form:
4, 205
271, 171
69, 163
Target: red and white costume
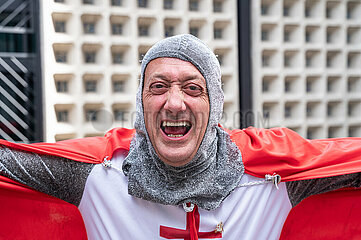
249, 212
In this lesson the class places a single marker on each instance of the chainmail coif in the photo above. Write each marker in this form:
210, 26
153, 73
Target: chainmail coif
217, 167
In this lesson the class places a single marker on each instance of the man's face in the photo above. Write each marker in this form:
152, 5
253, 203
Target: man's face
176, 109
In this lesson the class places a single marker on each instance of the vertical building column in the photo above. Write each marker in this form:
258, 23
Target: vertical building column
247, 116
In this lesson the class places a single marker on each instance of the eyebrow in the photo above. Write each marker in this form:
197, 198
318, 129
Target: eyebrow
187, 78
161, 76
191, 77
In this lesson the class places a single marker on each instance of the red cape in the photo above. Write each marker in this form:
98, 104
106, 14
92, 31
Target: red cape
278, 150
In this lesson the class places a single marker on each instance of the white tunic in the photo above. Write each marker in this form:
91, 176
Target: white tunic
109, 212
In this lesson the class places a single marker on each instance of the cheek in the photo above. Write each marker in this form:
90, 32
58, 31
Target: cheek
198, 104
151, 107
200, 110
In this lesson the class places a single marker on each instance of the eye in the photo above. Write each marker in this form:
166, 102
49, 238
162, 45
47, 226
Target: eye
158, 88
193, 90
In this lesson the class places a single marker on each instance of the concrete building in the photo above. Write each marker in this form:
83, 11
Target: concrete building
305, 58
307, 65
91, 52
21, 116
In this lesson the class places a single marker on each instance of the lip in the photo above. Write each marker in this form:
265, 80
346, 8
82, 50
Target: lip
175, 138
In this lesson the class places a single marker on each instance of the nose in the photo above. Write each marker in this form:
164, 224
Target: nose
175, 102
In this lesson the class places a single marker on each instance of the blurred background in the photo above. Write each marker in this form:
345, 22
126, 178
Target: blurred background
70, 68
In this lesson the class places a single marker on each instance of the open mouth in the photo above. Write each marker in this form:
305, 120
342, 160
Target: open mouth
175, 129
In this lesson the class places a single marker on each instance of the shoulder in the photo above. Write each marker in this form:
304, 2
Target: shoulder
254, 135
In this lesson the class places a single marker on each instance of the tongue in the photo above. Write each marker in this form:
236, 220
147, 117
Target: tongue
175, 130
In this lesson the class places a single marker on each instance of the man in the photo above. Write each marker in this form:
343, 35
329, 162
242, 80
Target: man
184, 176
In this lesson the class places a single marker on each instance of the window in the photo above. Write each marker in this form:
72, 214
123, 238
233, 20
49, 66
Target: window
287, 60
328, 37
331, 132
59, 26
91, 115
217, 6
328, 13
307, 12
354, 131
308, 37
349, 61
309, 110
348, 38
61, 86
265, 86
89, 57
118, 58
117, 29
89, 27
264, 35
264, 10
329, 86
116, 2
310, 133
193, 5
194, 31
286, 11
348, 13
286, 36
353, 84
308, 61
118, 86
14, 42
88, 1
62, 116
350, 110
168, 31
91, 86
350, 86
168, 4
217, 33
119, 115
265, 60
287, 86
266, 112
328, 61
142, 3
143, 30
329, 110
61, 57
288, 111
309, 86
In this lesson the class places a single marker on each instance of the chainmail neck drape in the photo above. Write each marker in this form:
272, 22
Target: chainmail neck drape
217, 167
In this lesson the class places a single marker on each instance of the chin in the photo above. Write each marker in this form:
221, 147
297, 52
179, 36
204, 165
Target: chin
175, 160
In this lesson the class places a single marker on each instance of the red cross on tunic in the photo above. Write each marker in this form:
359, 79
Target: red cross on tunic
191, 232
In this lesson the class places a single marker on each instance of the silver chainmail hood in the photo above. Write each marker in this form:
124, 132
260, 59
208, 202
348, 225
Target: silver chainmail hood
217, 166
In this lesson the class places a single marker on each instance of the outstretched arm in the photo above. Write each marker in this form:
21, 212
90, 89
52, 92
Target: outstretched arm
308, 166
56, 176
282, 151
299, 190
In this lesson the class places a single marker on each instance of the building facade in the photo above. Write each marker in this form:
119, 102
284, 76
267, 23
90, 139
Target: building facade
307, 66
91, 53
305, 63
20, 72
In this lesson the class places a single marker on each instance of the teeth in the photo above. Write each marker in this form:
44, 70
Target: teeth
175, 124
175, 136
